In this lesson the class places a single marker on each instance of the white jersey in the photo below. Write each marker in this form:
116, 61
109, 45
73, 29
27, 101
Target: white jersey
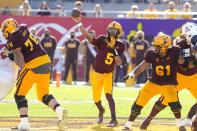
8, 70
4, 60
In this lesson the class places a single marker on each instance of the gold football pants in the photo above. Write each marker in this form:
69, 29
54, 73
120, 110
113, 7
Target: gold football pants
184, 82
100, 80
26, 80
151, 89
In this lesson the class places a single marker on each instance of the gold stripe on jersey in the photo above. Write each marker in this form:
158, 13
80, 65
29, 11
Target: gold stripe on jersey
37, 62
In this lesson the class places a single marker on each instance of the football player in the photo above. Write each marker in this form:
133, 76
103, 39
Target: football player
8, 68
163, 81
109, 53
186, 76
36, 70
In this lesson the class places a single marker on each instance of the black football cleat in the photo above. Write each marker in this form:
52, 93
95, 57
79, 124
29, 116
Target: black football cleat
112, 123
100, 117
145, 124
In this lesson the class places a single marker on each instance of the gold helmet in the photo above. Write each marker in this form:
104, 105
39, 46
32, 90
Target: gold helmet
8, 26
115, 29
163, 41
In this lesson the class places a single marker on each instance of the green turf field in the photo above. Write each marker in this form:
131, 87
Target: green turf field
78, 100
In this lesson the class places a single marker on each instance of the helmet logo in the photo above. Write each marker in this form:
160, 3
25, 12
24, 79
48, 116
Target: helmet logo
165, 41
187, 29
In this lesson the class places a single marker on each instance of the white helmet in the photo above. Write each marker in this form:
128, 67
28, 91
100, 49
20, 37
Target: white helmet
188, 30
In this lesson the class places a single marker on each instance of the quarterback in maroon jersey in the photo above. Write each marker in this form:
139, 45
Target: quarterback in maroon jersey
109, 53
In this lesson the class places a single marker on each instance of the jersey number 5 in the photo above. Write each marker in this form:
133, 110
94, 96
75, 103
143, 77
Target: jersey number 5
29, 42
109, 59
160, 70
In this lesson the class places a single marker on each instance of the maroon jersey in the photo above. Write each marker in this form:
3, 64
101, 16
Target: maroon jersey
180, 69
30, 46
104, 61
164, 68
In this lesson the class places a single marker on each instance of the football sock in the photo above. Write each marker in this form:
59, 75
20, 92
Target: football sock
132, 117
111, 105
154, 112
113, 116
192, 111
99, 106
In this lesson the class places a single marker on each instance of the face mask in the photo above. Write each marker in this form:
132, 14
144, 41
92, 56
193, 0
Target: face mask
46, 34
140, 37
72, 36
112, 32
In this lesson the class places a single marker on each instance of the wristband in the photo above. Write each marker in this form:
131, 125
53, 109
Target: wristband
79, 24
115, 52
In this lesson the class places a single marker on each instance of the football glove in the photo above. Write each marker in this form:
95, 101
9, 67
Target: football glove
130, 75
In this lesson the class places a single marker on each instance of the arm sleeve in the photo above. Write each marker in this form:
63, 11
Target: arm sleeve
148, 56
12, 43
121, 51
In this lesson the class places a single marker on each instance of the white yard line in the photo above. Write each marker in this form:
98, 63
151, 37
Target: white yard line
87, 102
116, 87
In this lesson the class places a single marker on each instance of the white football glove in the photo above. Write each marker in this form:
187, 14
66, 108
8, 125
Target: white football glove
130, 75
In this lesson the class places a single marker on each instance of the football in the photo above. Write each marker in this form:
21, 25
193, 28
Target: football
75, 12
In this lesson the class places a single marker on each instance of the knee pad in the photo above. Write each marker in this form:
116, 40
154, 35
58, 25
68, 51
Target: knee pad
159, 105
175, 106
136, 109
47, 98
21, 101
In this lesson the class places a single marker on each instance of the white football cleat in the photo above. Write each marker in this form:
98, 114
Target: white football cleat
128, 126
63, 121
22, 127
187, 122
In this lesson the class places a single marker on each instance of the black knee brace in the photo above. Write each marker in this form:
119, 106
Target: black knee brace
47, 98
159, 105
175, 106
136, 109
21, 101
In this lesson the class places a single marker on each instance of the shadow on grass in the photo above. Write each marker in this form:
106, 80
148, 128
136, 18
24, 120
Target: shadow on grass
103, 128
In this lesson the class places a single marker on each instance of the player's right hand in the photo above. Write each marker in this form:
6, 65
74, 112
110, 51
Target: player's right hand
77, 19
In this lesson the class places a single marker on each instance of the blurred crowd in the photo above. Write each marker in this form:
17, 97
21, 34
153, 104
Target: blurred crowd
45, 10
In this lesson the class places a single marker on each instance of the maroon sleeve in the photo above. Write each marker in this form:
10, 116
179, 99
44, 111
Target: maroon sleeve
121, 50
177, 51
183, 44
97, 41
12, 42
148, 56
